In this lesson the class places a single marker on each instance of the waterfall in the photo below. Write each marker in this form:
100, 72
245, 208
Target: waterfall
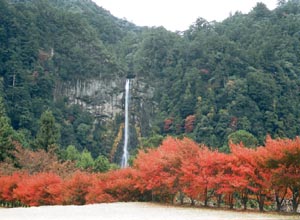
124, 162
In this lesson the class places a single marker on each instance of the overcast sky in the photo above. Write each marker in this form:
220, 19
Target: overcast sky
177, 14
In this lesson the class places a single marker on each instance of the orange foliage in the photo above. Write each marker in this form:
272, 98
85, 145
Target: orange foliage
167, 124
76, 188
160, 169
96, 191
200, 174
189, 123
120, 184
247, 163
178, 165
41, 161
282, 159
7, 186
257, 176
39, 189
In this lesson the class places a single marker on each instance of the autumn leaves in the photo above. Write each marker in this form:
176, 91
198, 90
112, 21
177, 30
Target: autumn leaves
263, 177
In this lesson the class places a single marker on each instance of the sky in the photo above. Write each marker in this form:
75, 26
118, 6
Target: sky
177, 15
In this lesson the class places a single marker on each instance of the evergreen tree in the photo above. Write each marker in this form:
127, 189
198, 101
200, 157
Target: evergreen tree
101, 164
71, 153
86, 160
7, 134
48, 134
242, 136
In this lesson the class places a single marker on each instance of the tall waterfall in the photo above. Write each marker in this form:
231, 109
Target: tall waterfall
125, 156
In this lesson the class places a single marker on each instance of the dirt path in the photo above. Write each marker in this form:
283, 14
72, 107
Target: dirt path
130, 211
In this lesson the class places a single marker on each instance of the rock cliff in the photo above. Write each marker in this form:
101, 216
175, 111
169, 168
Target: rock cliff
104, 98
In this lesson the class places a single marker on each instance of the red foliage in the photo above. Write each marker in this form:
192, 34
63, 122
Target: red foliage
118, 185
96, 191
121, 185
189, 123
234, 123
167, 124
200, 174
228, 180
76, 188
178, 165
160, 169
282, 159
39, 189
251, 168
8, 185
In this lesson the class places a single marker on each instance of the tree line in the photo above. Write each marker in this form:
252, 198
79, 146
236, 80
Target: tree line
264, 178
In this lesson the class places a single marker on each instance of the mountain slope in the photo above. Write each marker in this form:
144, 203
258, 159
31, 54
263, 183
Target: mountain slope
209, 83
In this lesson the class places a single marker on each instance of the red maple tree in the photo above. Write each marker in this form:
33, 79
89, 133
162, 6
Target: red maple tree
39, 189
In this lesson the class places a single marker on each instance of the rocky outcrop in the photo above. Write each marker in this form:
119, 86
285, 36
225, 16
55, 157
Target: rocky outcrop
104, 98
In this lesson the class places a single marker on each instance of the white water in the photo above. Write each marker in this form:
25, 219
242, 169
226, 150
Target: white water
124, 162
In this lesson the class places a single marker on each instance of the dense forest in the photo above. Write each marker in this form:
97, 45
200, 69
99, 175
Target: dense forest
217, 81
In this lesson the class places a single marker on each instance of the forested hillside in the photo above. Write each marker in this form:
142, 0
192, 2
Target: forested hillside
237, 79
241, 74
43, 42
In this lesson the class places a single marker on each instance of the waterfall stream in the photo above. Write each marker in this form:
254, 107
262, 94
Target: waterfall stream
124, 162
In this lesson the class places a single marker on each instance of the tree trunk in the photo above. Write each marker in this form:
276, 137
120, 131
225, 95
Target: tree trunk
192, 202
295, 200
261, 201
219, 200
152, 196
206, 201
245, 200
172, 198
230, 201
278, 203
206, 197
295, 206
181, 197
279, 200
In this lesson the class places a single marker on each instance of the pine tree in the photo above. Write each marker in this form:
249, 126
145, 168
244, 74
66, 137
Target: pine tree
7, 134
48, 134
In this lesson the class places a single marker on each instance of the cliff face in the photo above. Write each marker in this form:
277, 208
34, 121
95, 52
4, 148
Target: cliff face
104, 98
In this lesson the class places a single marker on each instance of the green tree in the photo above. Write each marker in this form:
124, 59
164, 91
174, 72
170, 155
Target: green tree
49, 133
83, 134
7, 134
85, 161
243, 136
71, 153
152, 142
187, 104
101, 164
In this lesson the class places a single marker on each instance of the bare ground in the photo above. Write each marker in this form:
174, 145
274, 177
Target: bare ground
131, 211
